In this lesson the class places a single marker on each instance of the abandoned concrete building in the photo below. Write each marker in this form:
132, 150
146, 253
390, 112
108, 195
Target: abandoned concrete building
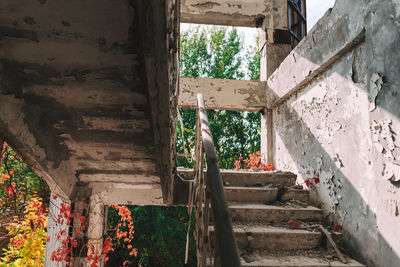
89, 91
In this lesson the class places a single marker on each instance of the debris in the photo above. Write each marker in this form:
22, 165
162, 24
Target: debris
294, 224
328, 236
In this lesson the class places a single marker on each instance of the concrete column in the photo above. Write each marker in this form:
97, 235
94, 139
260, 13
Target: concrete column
53, 229
271, 56
95, 230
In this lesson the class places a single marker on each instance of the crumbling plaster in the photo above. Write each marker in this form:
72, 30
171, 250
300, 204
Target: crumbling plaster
344, 122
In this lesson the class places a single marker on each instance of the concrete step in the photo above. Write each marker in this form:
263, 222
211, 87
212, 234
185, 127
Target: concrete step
287, 194
273, 214
249, 178
300, 261
264, 195
251, 194
252, 178
250, 238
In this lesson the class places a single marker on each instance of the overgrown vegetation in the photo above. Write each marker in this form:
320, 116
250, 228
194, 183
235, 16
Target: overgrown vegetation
23, 208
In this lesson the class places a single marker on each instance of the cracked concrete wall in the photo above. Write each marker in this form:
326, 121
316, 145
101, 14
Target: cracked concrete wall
344, 122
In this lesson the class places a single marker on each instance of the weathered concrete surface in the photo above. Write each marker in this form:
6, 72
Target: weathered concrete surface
273, 214
75, 100
276, 238
222, 93
249, 13
53, 228
95, 231
343, 122
159, 21
301, 261
127, 193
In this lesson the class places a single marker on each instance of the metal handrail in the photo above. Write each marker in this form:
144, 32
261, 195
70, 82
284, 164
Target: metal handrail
208, 191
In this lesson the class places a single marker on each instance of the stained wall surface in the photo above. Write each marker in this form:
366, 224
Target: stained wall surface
336, 102
74, 94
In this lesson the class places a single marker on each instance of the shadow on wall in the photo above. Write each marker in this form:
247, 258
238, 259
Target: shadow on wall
344, 125
360, 229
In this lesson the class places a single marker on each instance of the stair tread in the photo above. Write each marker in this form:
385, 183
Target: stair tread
251, 172
272, 207
267, 229
250, 188
248, 177
301, 261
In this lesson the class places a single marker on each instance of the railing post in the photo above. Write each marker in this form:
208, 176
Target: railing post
223, 229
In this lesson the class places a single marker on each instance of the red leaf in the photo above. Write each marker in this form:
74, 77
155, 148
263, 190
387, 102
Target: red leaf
337, 228
294, 224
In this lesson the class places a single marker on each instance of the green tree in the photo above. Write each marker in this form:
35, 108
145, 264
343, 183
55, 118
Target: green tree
217, 52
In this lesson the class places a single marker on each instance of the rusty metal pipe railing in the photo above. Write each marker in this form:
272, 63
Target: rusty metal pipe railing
206, 192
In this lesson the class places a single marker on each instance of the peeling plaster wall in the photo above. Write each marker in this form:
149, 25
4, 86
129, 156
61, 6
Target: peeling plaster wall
345, 124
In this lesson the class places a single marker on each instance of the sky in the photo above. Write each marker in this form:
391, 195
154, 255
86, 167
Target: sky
315, 10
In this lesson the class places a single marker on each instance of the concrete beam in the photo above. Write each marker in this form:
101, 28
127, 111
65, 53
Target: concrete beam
119, 178
223, 94
127, 194
249, 13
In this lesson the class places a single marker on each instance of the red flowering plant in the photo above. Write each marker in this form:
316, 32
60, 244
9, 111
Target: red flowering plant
253, 162
123, 233
124, 230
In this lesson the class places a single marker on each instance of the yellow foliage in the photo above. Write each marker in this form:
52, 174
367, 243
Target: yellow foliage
28, 243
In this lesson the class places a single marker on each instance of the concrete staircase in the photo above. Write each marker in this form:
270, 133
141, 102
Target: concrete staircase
261, 205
